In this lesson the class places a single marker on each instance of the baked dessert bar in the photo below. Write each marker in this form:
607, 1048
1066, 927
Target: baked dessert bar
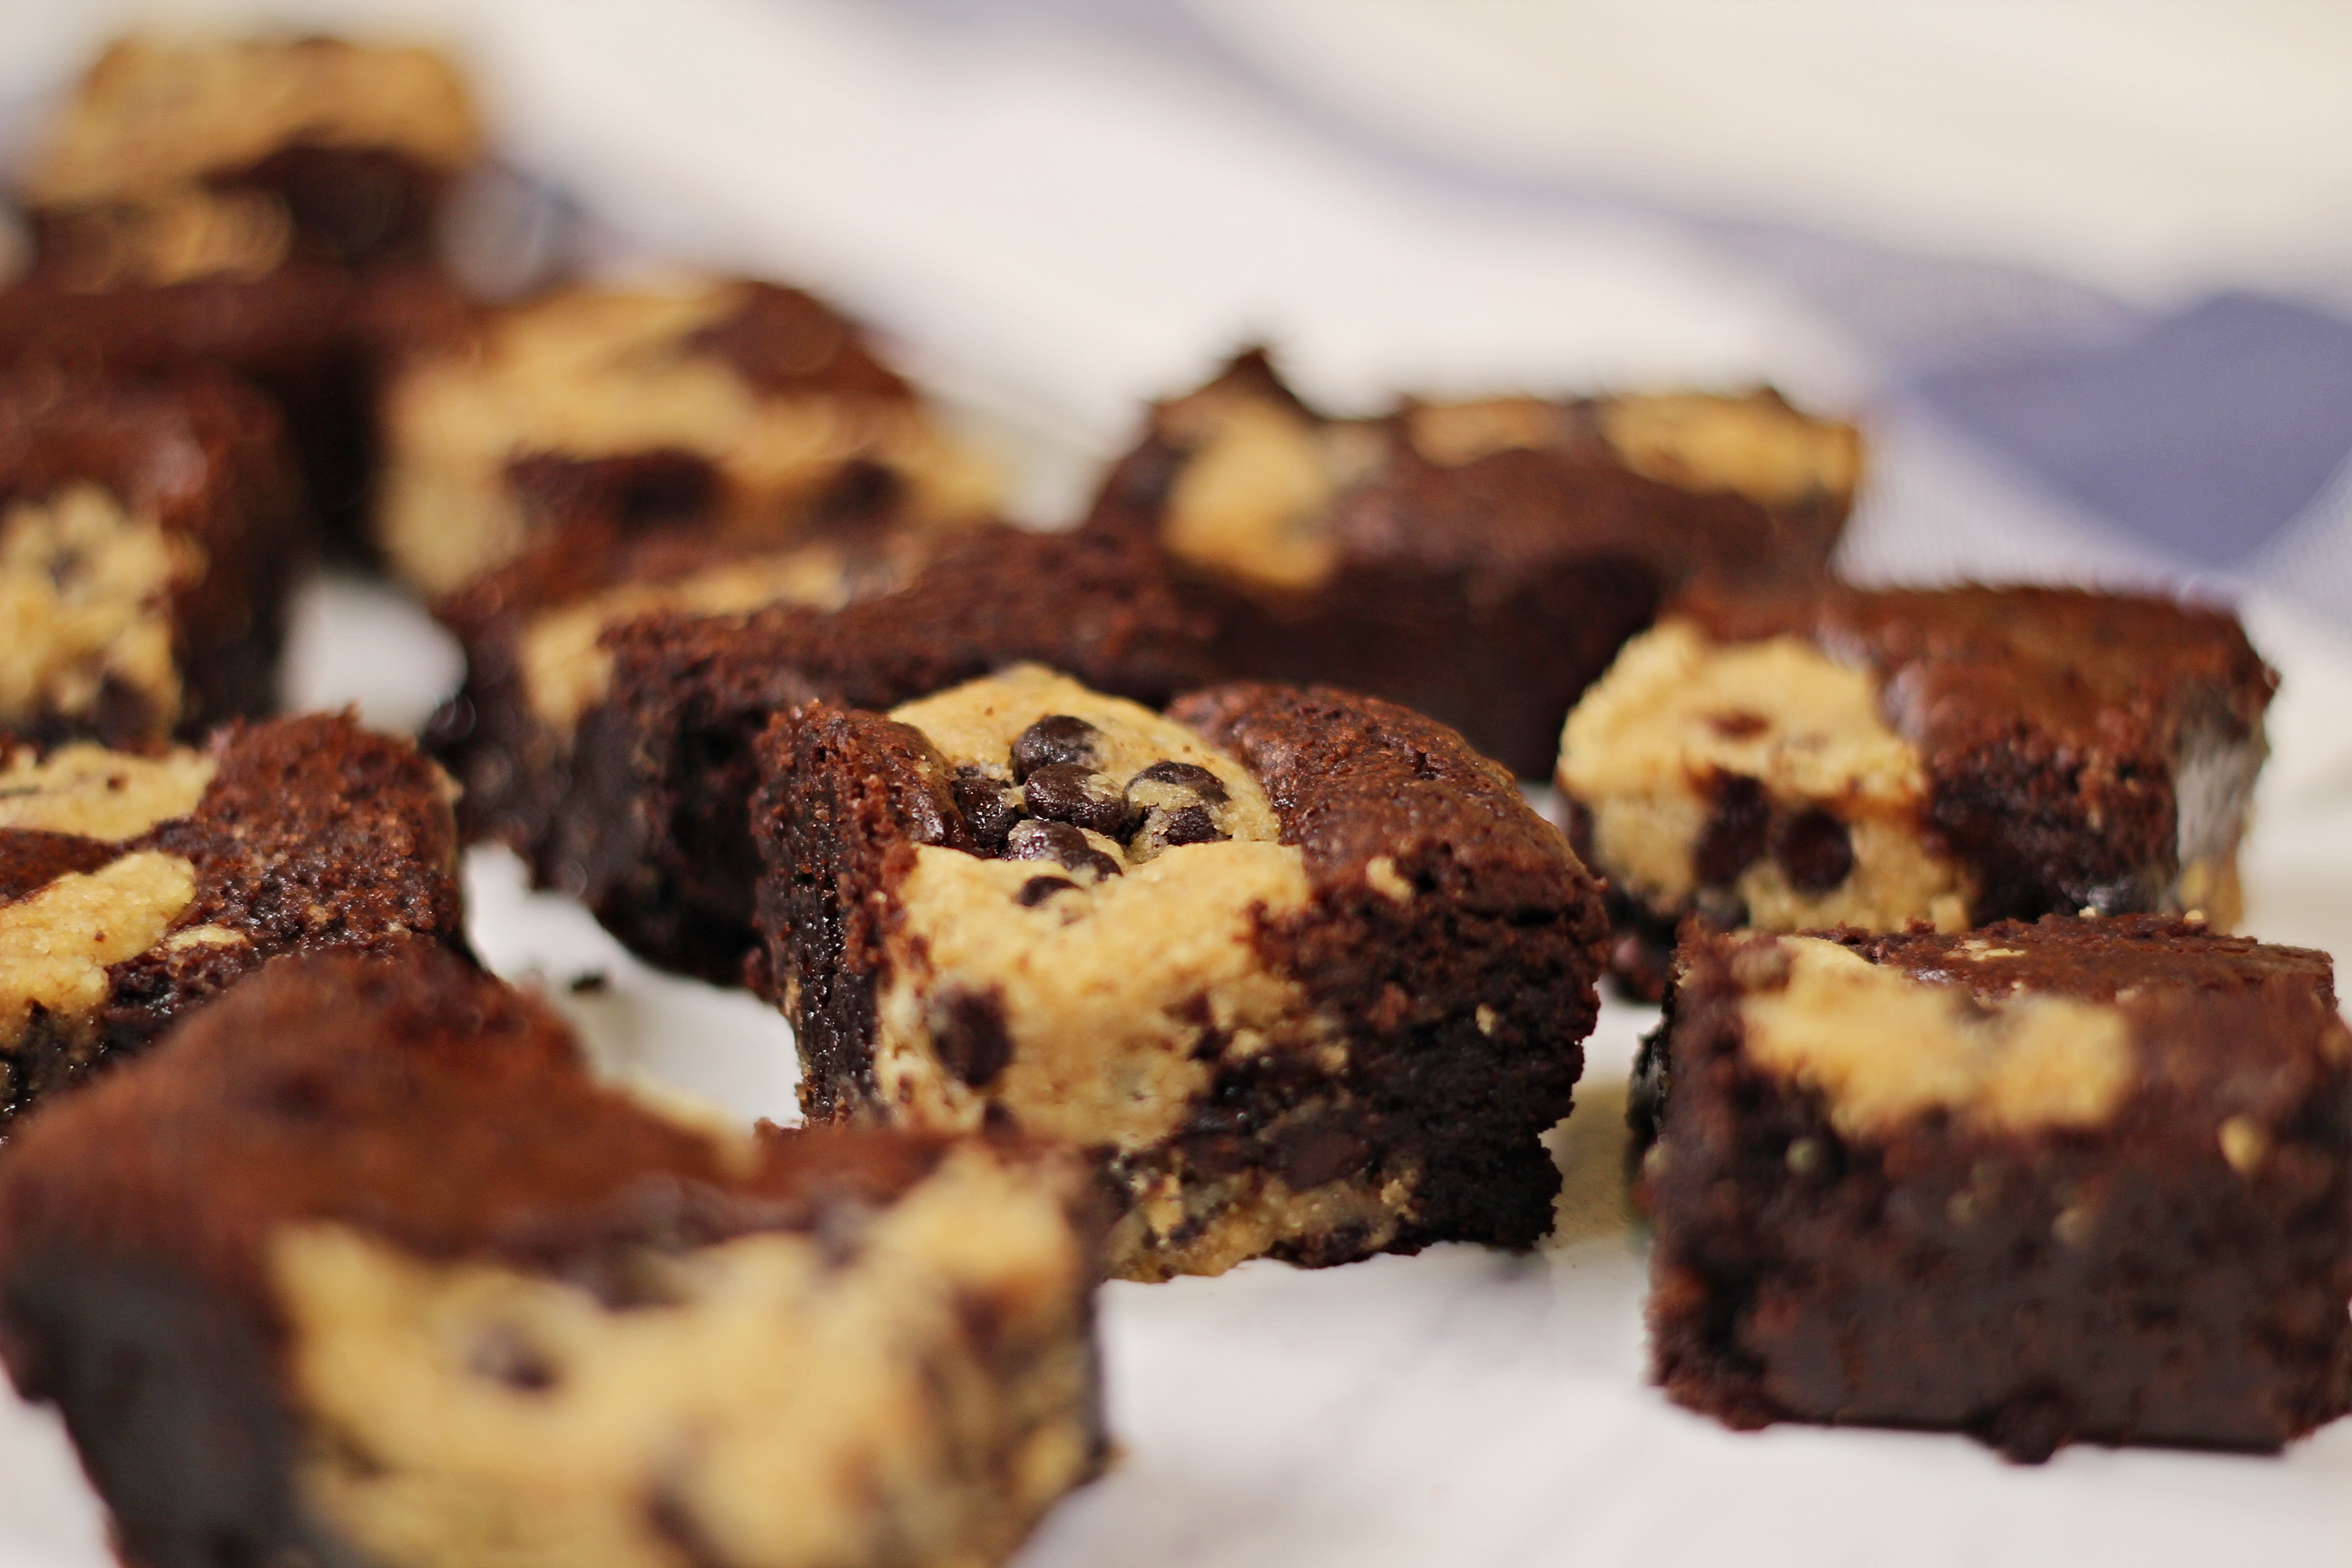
1301, 969
266, 205
606, 727
365, 1268
2073, 1181
1479, 561
149, 536
135, 885
749, 409
1954, 755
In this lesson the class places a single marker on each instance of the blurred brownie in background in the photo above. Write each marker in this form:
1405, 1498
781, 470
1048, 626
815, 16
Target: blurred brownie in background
270, 207
615, 683
150, 534
1301, 970
365, 1267
750, 410
134, 886
1479, 561
2072, 1181
1873, 757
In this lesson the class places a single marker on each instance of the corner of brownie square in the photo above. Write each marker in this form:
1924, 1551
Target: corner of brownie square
135, 886
608, 723
2073, 1181
751, 410
1479, 561
150, 535
366, 1267
1851, 756
1303, 971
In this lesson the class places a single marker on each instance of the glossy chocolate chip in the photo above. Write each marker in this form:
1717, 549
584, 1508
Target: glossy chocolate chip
1060, 843
1813, 851
967, 1032
1038, 889
988, 808
1186, 825
1202, 785
1056, 737
1737, 831
1065, 792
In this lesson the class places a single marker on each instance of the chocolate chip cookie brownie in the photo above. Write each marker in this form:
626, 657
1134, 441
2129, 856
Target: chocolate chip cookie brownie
2074, 1181
135, 885
751, 410
404, 1284
1301, 969
266, 205
1953, 755
149, 535
606, 727
1480, 561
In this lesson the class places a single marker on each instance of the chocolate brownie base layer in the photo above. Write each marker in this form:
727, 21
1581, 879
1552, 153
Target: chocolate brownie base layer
1301, 969
1958, 756
640, 804
150, 534
2074, 1181
366, 1269
752, 412
136, 887
1480, 562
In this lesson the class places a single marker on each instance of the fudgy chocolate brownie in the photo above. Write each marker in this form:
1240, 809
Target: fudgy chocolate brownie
606, 730
149, 536
2073, 1181
135, 887
265, 206
365, 1268
1954, 755
751, 410
1481, 560
1300, 968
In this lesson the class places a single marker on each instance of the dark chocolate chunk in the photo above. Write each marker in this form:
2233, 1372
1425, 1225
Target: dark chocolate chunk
1813, 851
1190, 825
1056, 738
1038, 889
989, 809
1736, 832
1319, 1152
1206, 786
30, 858
1060, 843
967, 1032
1065, 792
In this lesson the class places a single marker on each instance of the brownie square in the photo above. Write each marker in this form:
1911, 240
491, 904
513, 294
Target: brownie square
1957, 755
136, 886
364, 1267
752, 411
620, 764
2074, 1181
150, 534
1302, 971
1481, 560
268, 207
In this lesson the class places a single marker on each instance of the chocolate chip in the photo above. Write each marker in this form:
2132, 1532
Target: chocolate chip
1056, 738
1038, 889
1167, 829
1736, 832
988, 808
967, 1032
1738, 724
1065, 792
1060, 843
1203, 785
1318, 1152
1814, 851
504, 1354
